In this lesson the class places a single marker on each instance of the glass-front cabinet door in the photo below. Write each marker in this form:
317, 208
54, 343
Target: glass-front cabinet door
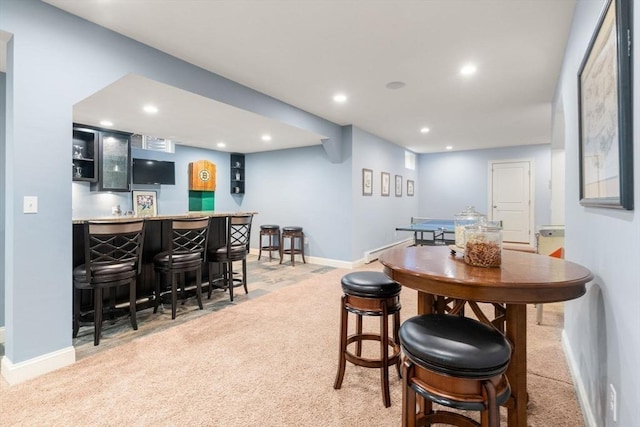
115, 162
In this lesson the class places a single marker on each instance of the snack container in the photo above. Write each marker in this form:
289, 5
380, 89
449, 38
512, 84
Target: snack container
483, 245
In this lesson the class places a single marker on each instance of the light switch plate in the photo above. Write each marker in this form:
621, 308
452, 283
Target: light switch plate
30, 204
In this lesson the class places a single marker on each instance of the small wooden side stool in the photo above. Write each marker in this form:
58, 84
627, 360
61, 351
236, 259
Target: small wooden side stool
370, 293
272, 233
294, 234
457, 362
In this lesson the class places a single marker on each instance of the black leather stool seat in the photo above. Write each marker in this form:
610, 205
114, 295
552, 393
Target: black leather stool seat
457, 362
269, 227
291, 229
369, 284
455, 345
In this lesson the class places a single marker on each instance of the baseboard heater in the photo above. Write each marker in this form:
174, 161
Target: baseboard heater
372, 255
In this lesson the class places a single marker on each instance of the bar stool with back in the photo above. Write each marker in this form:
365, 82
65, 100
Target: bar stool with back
185, 254
112, 258
236, 248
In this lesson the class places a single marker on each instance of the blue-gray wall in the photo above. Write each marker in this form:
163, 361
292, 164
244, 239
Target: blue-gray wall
451, 181
602, 329
3, 112
310, 186
39, 116
375, 216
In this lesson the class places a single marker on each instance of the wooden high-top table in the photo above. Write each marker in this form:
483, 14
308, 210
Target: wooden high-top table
442, 279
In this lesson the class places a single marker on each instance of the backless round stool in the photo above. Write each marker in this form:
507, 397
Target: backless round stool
370, 293
457, 362
294, 234
272, 233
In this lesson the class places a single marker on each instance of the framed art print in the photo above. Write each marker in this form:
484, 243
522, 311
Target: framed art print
367, 182
605, 112
385, 183
398, 185
145, 203
409, 187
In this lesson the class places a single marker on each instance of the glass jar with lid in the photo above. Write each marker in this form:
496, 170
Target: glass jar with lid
466, 218
483, 244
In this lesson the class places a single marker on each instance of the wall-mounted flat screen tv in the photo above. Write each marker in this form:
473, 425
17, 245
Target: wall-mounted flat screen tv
147, 171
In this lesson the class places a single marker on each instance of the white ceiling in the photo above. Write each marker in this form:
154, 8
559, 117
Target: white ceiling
304, 51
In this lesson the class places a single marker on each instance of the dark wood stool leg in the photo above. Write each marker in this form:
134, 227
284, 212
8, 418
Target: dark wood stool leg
292, 250
132, 304
396, 340
199, 287
260, 246
230, 276
97, 315
384, 355
174, 294
342, 361
76, 312
408, 396
244, 275
302, 248
359, 333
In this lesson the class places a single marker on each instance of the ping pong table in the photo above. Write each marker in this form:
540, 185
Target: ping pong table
431, 231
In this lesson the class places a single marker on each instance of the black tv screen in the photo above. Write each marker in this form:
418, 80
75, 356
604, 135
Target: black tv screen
153, 172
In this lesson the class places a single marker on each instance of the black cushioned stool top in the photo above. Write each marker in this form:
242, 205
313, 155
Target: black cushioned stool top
369, 284
291, 228
455, 345
269, 227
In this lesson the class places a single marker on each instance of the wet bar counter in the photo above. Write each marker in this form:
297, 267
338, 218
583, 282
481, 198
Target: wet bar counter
157, 238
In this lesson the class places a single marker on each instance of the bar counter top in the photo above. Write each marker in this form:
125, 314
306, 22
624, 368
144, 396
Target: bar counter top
192, 214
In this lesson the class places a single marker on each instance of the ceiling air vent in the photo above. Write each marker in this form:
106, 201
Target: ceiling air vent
152, 143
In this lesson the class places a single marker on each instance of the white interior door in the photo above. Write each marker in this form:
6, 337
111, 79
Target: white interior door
511, 199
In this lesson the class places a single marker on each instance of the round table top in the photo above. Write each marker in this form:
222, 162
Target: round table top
522, 277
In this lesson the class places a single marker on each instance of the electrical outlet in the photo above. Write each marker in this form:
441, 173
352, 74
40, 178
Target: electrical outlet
613, 403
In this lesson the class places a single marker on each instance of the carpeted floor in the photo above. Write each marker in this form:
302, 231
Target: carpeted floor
267, 360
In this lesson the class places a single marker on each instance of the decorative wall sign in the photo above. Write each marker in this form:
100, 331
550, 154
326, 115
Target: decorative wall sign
605, 112
202, 176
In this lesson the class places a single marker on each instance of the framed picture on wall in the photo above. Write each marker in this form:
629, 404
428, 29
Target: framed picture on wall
145, 203
385, 183
605, 112
398, 185
409, 187
367, 182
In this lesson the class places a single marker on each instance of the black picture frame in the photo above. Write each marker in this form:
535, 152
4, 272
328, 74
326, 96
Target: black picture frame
367, 182
410, 187
398, 185
605, 83
385, 183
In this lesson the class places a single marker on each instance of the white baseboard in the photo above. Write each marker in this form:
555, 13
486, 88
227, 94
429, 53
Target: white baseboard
23, 371
581, 391
2, 335
343, 264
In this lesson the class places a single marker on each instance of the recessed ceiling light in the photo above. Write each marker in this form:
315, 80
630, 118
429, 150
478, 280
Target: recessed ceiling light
266, 137
221, 144
396, 85
151, 109
340, 97
449, 147
424, 130
106, 123
468, 70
